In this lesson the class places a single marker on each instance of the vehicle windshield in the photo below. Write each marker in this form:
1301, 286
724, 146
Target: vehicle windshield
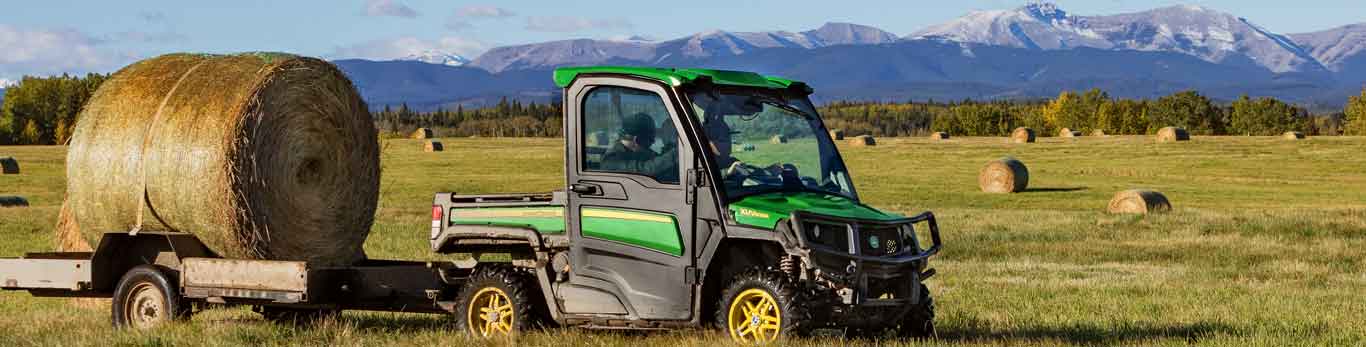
765, 141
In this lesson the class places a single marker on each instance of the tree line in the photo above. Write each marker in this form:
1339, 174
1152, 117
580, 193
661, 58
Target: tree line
44, 111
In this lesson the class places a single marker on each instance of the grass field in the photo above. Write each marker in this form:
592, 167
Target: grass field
1266, 246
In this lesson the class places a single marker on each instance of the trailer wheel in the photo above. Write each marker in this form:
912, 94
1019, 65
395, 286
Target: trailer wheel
146, 298
497, 301
760, 306
919, 323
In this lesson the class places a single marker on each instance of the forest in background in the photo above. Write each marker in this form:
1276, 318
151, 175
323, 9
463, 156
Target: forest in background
44, 111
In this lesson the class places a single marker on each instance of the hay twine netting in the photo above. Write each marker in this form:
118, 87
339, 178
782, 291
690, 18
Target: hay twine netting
1022, 135
9, 166
1139, 201
1005, 175
1172, 134
262, 156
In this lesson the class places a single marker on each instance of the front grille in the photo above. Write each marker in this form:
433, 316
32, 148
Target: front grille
879, 241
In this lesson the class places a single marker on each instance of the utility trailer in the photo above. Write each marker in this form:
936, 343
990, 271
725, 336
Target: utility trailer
154, 277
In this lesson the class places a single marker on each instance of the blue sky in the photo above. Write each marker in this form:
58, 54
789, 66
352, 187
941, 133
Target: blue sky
55, 36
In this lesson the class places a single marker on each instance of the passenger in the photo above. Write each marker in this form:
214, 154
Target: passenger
631, 153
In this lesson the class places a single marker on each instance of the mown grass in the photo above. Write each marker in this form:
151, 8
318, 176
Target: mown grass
1266, 246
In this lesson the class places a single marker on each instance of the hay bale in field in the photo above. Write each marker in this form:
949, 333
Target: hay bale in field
9, 166
862, 140
423, 133
837, 134
1005, 175
778, 139
1098, 133
432, 146
1022, 135
1139, 201
939, 135
262, 156
1172, 134
1066, 132
13, 201
597, 139
1293, 135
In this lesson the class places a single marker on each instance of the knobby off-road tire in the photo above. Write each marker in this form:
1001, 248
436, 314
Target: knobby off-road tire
146, 298
919, 323
498, 300
762, 305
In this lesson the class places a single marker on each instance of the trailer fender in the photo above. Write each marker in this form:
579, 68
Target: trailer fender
119, 252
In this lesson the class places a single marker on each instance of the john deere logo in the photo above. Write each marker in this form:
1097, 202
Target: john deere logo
873, 241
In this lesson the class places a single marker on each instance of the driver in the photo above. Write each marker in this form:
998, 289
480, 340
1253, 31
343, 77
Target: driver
632, 153
720, 135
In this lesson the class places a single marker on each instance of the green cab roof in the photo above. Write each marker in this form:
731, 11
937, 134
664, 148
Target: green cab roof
676, 77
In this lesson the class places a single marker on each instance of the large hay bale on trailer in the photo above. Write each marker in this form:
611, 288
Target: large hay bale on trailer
1022, 135
778, 139
1172, 134
433, 146
13, 201
1066, 132
862, 141
9, 166
422, 134
1139, 201
939, 135
837, 134
262, 156
1293, 135
1005, 175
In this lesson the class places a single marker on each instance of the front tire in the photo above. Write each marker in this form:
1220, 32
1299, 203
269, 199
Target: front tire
760, 306
919, 323
146, 298
497, 301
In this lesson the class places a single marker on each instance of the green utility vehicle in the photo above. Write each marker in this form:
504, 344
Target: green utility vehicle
694, 197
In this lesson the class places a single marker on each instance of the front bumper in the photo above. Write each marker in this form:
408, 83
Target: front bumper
859, 275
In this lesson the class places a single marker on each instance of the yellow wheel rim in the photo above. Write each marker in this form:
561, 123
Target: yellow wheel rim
490, 313
754, 317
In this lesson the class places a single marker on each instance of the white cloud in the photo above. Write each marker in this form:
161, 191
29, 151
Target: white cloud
5, 83
484, 11
573, 24
380, 8
44, 52
405, 46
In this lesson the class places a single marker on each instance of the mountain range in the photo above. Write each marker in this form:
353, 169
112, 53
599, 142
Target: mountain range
1033, 51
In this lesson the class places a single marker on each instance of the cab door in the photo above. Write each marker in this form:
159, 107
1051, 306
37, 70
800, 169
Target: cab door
630, 223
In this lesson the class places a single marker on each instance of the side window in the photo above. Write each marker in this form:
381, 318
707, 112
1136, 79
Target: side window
629, 131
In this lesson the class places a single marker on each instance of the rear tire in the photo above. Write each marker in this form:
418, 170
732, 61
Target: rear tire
498, 301
146, 298
762, 306
919, 323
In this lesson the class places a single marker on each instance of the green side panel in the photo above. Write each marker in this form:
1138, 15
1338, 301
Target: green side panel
656, 231
765, 210
545, 220
677, 77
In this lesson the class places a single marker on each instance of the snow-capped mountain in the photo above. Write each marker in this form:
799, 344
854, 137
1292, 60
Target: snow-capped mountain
437, 57
1205, 33
1341, 49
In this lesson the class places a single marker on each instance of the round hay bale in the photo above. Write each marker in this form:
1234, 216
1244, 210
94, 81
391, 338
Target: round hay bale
423, 133
13, 201
1022, 135
432, 146
862, 140
778, 139
1005, 175
69, 238
1293, 135
1098, 133
837, 134
1139, 201
939, 135
262, 156
1065, 132
1172, 134
597, 139
9, 166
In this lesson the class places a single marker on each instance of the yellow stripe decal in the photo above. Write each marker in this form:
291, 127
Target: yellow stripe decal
635, 216
506, 212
